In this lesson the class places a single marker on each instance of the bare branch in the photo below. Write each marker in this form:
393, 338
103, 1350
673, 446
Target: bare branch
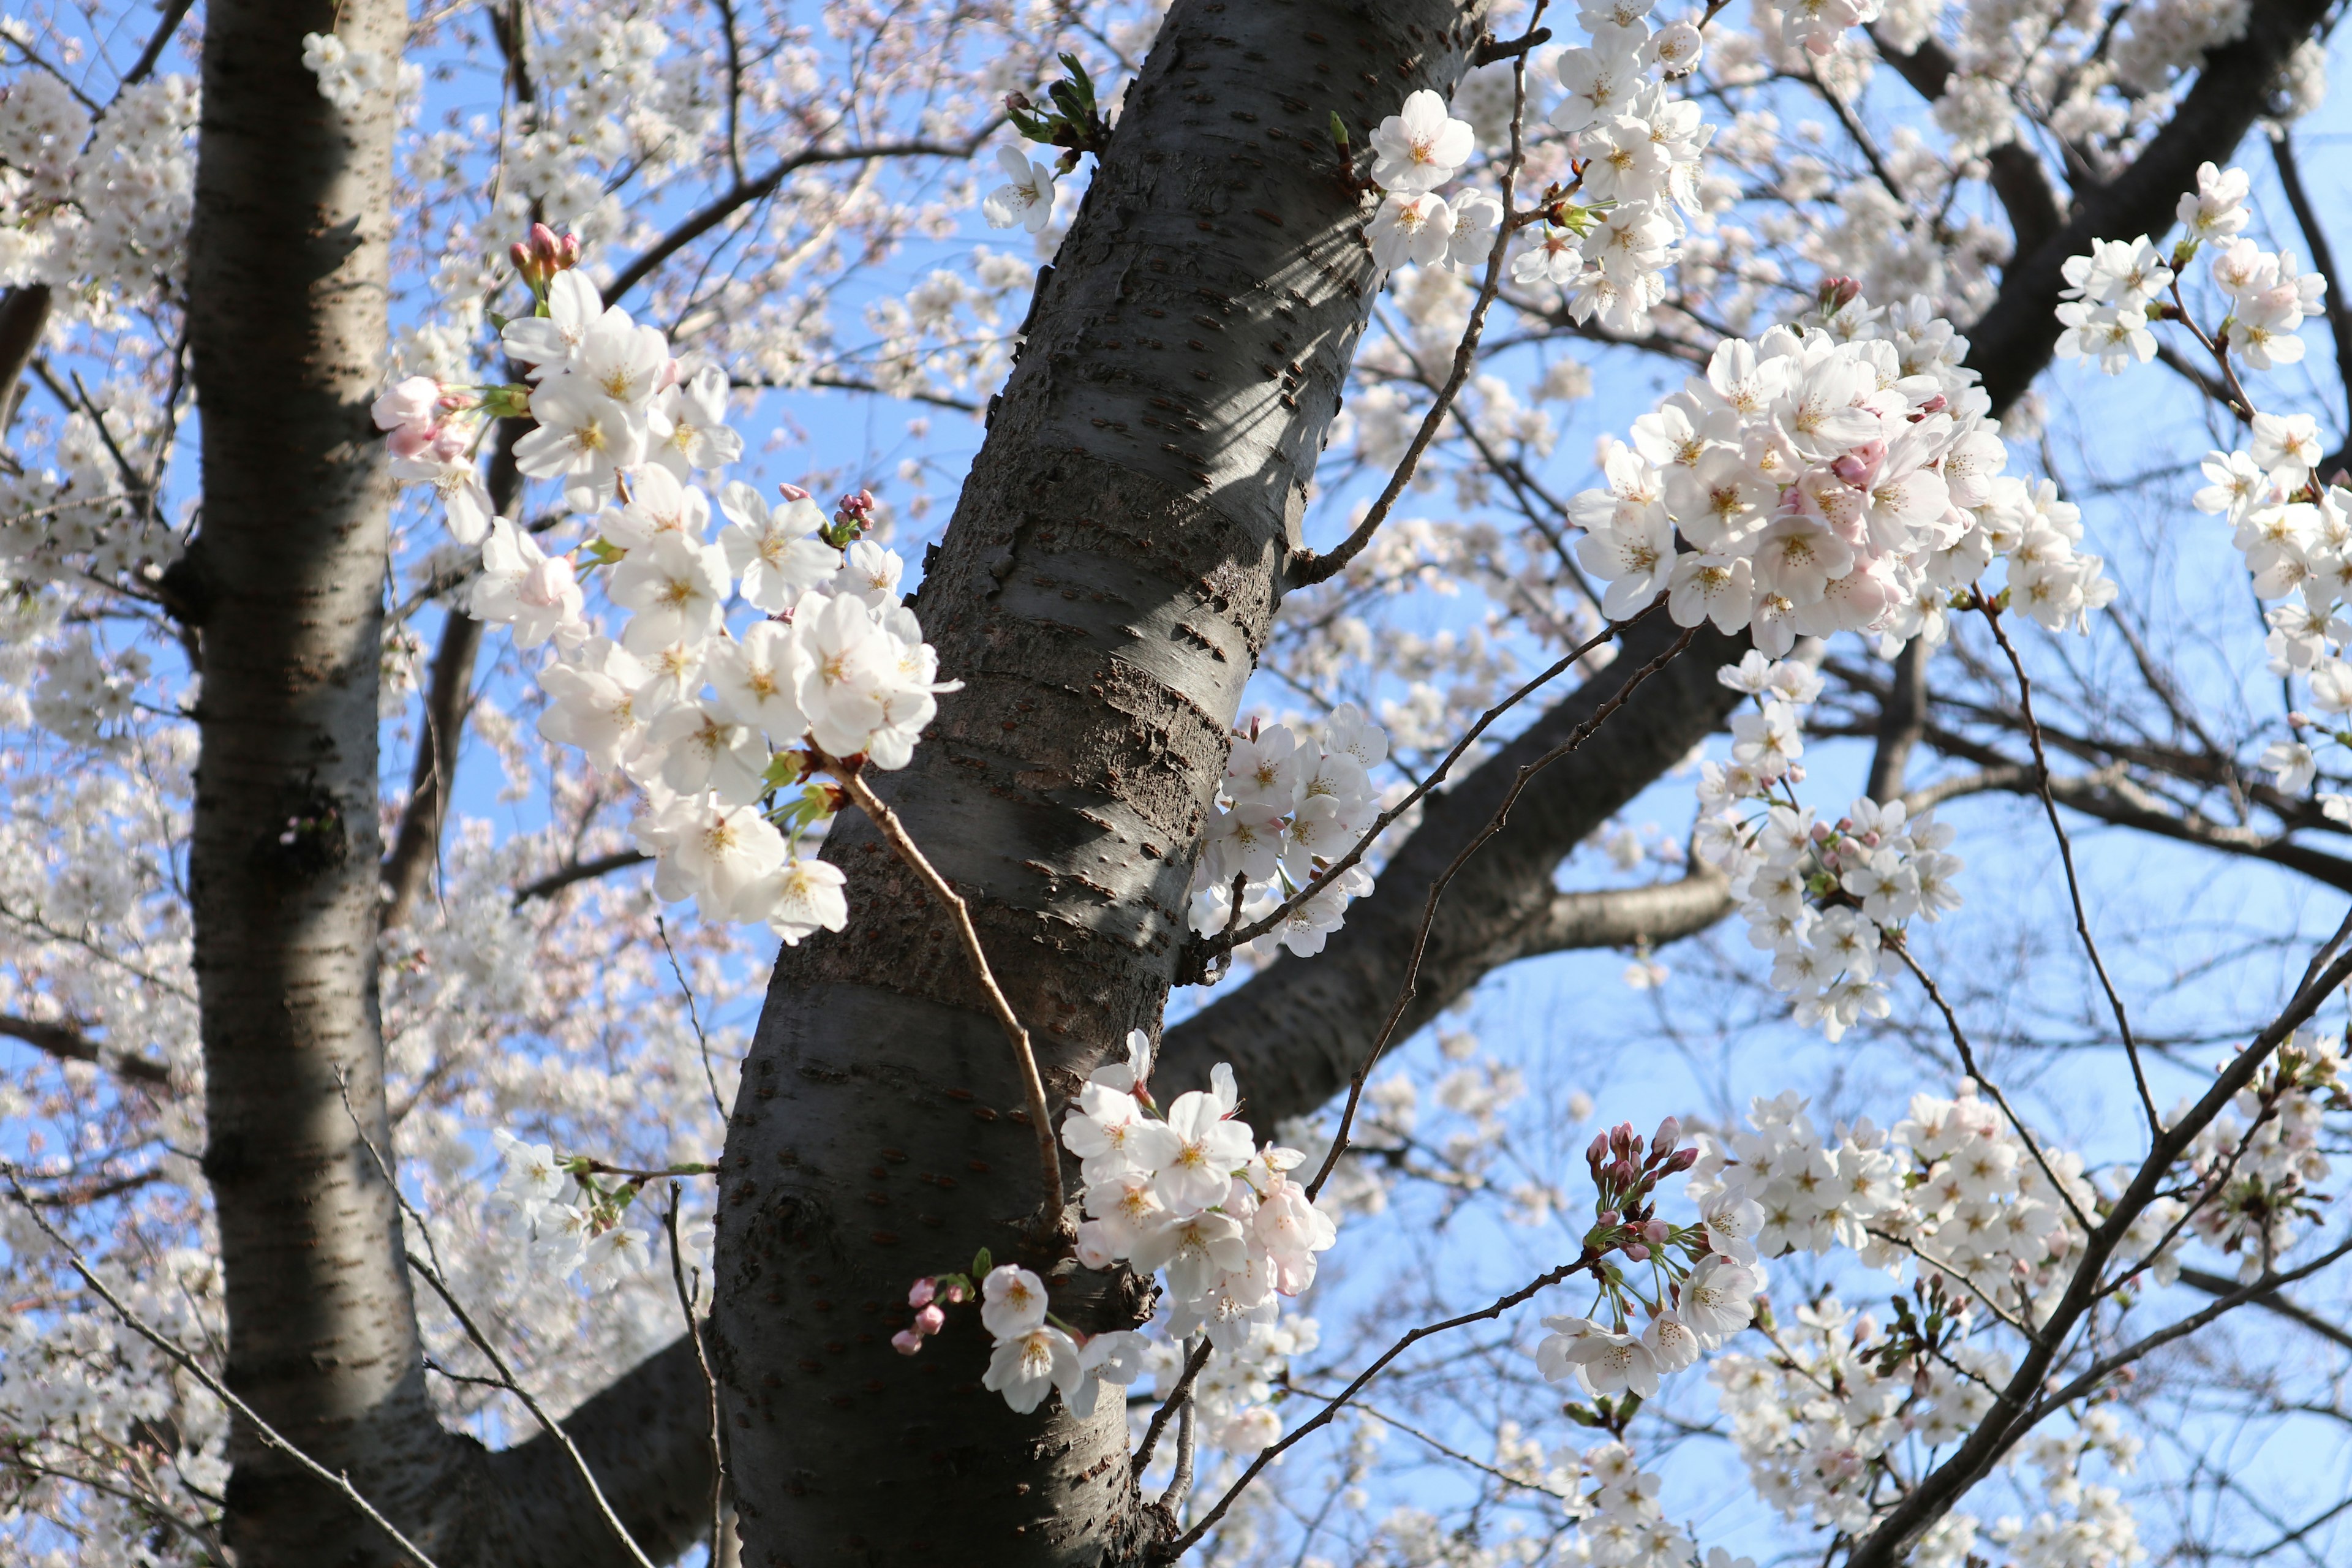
579, 871
180, 1358
70, 1045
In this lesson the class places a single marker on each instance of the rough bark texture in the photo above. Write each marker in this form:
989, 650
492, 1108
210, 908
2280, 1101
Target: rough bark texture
1296, 1032
1107, 580
288, 275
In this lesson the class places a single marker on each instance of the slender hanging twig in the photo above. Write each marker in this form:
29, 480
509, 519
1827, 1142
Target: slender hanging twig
1041, 1119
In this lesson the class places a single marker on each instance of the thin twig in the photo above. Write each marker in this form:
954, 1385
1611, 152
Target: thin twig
1258, 928
1169, 1551
1310, 568
1527, 771
2066, 856
1902, 950
1041, 1119
270, 1435
694, 1016
548, 1424
1194, 1362
686, 1296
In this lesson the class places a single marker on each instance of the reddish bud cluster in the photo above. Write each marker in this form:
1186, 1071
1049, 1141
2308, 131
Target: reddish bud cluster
1626, 1169
543, 255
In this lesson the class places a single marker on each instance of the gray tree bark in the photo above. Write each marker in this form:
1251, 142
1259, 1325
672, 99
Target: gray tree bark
290, 269
288, 279
1107, 580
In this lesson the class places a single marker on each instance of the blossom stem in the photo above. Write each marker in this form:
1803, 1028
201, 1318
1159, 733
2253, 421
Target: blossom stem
1041, 1117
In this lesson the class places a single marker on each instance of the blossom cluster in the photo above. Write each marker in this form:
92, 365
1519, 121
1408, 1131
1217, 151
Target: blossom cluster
1704, 1278
709, 723
1814, 1422
2113, 293
1033, 1356
1954, 1184
1641, 148
346, 75
2291, 523
569, 1223
2260, 1164
1841, 474
1234, 1395
1290, 806
1190, 1194
1821, 898
1638, 148
94, 201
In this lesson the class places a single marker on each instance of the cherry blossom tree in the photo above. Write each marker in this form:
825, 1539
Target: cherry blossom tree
394, 1177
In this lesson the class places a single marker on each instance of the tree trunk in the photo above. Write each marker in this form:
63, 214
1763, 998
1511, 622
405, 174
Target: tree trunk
288, 279
1104, 589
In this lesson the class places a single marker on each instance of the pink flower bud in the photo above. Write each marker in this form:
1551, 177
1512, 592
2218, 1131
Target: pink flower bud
923, 1290
1837, 293
953, 1294
930, 1320
1637, 1252
1669, 1134
1598, 1149
1621, 1172
1620, 1138
1656, 1231
407, 404
905, 1341
1684, 1159
1609, 1219
793, 493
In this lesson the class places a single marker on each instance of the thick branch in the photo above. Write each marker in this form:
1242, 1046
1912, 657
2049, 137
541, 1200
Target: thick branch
2011, 342
70, 1045
1295, 1031
1621, 916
